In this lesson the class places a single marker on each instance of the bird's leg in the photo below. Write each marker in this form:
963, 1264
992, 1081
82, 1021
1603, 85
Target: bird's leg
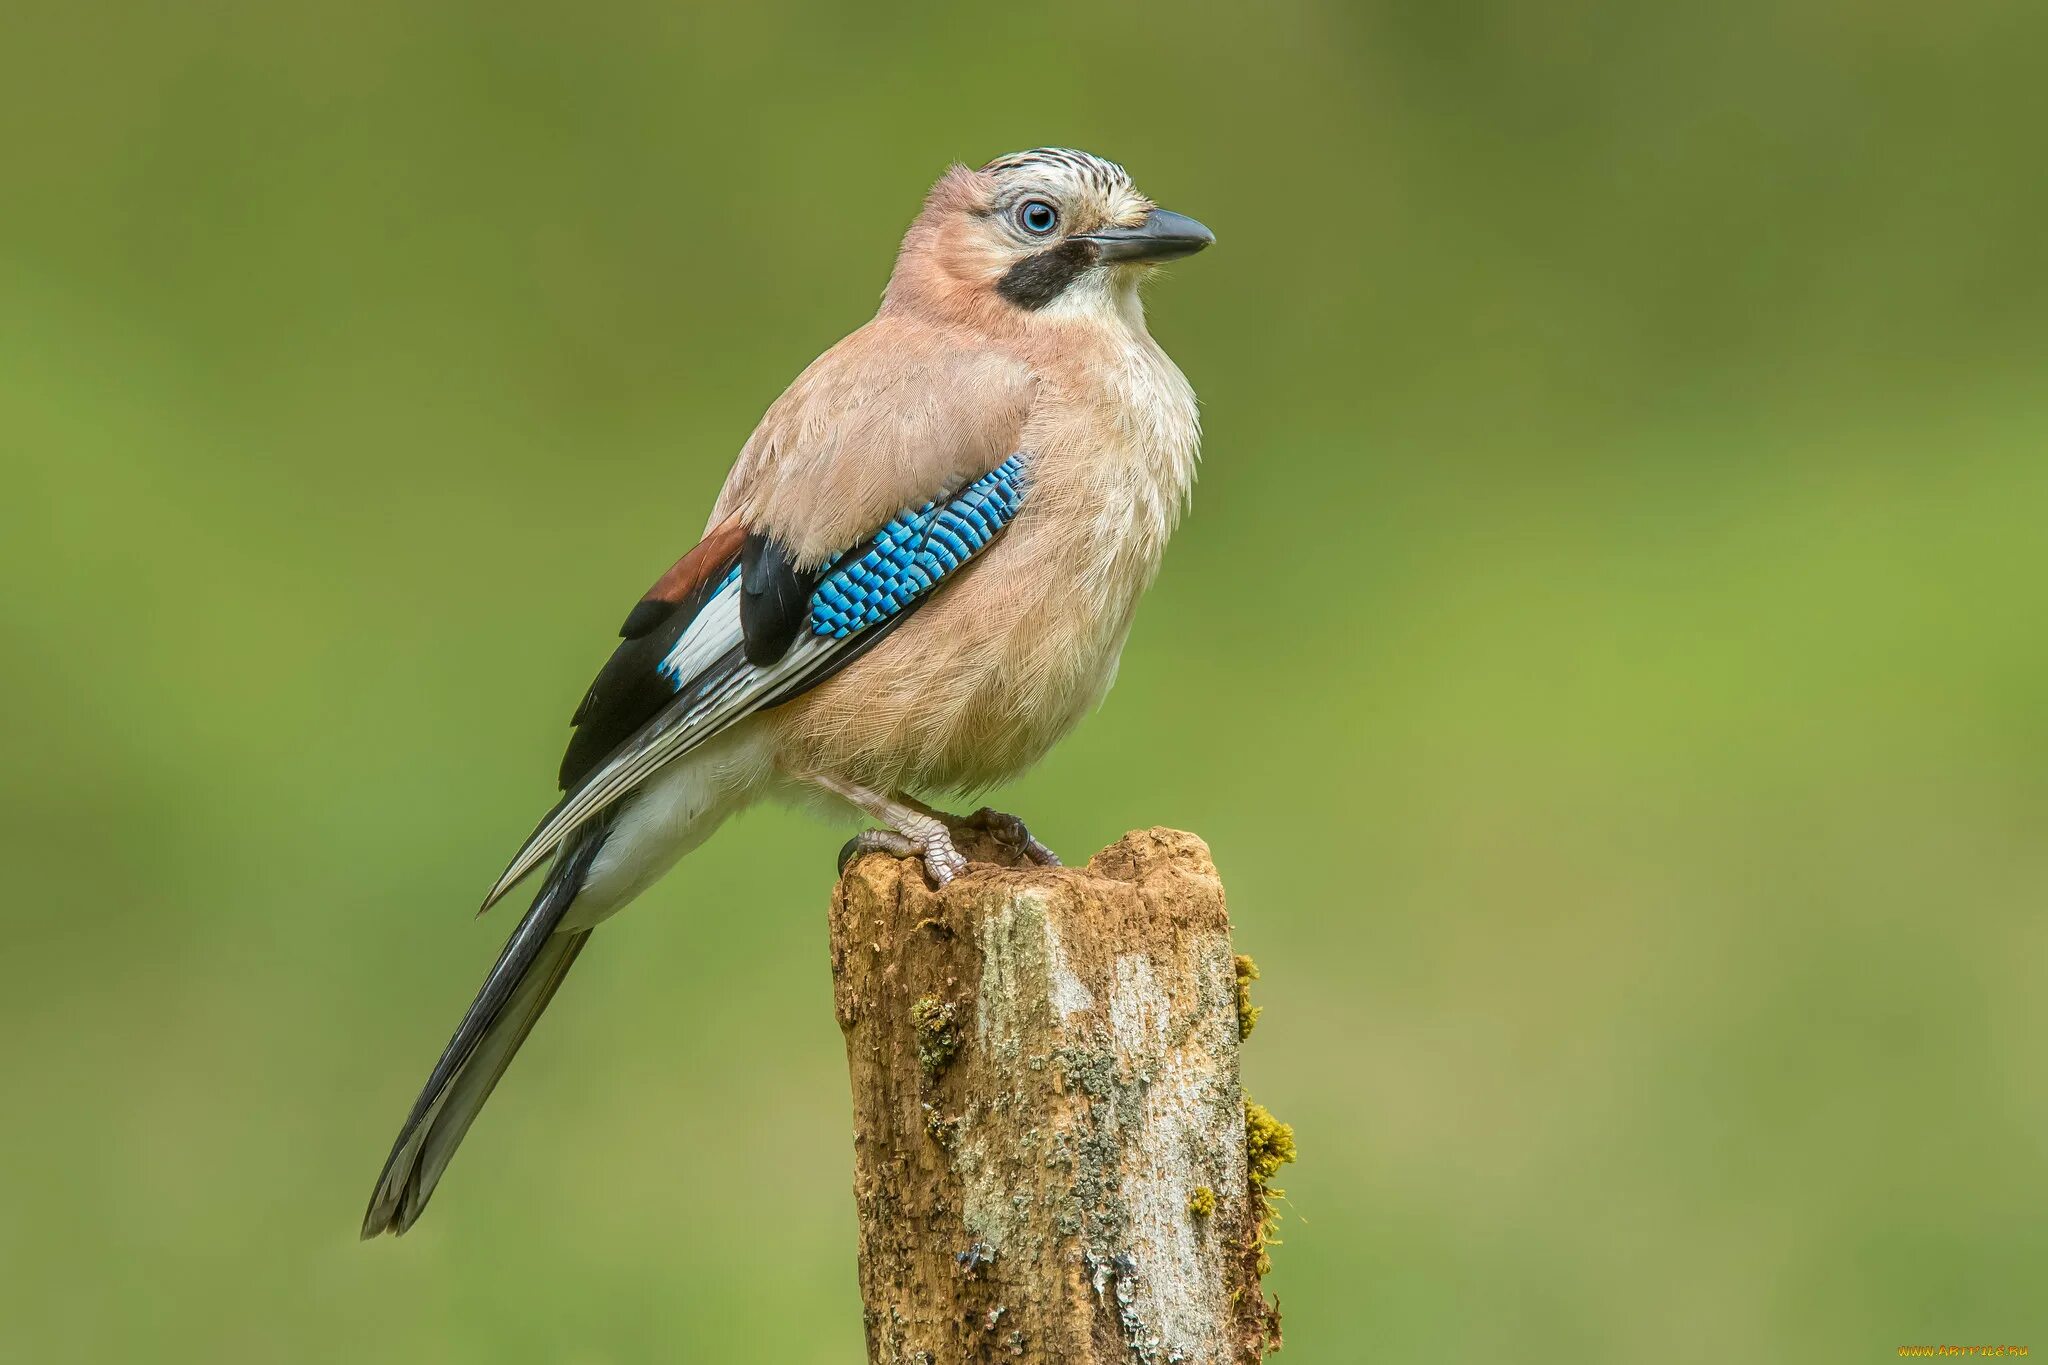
1008, 829
911, 829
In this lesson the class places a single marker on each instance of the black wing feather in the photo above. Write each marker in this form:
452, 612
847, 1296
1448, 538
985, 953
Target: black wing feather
775, 598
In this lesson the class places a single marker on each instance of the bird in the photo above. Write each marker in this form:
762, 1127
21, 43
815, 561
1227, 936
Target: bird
919, 576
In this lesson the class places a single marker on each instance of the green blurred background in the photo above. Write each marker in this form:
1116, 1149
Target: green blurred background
1605, 654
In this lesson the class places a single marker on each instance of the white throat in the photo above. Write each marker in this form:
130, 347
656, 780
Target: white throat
1103, 297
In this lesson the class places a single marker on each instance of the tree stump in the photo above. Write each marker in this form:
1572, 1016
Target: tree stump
1049, 1135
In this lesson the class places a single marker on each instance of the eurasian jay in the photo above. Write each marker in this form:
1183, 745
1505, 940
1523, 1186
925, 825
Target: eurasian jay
918, 577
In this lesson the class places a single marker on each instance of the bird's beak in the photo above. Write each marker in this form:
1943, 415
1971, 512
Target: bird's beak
1161, 237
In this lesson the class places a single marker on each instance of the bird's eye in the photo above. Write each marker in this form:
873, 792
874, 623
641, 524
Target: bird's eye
1038, 217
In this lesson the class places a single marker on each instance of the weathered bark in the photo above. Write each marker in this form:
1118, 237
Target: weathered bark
1049, 1137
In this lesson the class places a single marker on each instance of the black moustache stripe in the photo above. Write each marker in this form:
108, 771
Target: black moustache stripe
1037, 280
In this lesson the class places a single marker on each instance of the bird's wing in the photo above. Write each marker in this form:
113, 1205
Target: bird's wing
738, 625
883, 420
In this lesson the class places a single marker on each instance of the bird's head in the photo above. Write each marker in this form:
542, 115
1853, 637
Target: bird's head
1051, 233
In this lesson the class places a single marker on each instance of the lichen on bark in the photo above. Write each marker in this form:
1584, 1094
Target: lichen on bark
1268, 1145
1247, 1012
936, 1039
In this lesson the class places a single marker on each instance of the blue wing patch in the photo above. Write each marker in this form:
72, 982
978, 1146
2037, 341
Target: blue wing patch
913, 551
866, 587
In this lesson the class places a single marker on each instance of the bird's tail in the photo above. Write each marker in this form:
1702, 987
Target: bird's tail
511, 1000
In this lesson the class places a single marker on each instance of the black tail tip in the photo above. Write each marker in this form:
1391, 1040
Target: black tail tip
394, 1208
378, 1220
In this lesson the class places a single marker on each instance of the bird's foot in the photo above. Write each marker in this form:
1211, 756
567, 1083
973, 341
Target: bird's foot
912, 829
1008, 829
933, 846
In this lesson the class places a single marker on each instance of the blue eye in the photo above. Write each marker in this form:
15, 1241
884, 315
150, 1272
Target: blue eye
1038, 217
